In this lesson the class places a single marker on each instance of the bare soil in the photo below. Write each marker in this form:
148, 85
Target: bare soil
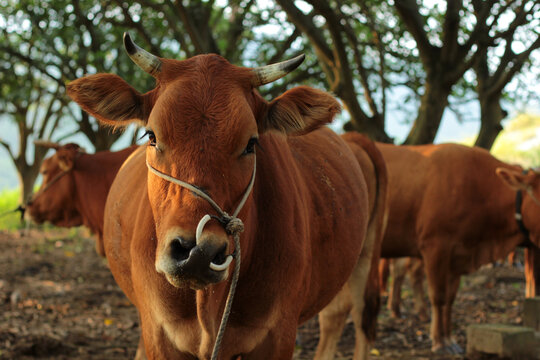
58, 300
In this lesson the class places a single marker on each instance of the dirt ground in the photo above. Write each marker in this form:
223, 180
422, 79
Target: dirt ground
58, 300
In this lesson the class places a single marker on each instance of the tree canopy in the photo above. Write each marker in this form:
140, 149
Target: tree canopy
374, 56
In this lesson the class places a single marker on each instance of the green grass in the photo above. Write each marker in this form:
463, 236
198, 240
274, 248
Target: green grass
9, 200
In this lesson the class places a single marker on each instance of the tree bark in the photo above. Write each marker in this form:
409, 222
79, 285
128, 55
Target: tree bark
27, 177
371, 126
491, 115
428, 120
333, 57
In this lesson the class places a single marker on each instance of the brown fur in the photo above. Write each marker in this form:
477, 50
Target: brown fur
78, 197
448, 206
361, 293
532, 271
304, 222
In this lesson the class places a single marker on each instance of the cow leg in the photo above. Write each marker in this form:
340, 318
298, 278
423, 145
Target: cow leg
398, 270
437, 269
384, 270
331, 322
532, 272
416, 274
141, 352
451, 291
279, 344
365, 302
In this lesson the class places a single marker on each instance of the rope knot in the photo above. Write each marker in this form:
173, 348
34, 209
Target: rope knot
234, 226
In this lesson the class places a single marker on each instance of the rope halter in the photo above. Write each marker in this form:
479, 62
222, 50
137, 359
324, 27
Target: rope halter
233, 226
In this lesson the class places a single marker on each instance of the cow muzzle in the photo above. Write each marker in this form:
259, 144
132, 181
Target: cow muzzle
185, 262
201, 262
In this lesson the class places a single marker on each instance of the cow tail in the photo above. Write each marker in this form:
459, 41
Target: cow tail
378, 220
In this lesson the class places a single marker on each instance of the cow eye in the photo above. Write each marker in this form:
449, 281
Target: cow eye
151, 137
250, 148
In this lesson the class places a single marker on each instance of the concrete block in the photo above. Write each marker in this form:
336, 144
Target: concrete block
508, 341
531, 313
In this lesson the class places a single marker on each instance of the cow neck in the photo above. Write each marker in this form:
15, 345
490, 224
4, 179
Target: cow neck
91, 205
233, 226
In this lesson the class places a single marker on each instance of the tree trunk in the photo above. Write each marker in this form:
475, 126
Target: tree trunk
428, 120
105, 138
27, 177
491, 115
372, 127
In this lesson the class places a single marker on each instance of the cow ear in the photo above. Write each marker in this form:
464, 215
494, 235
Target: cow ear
66, 156
65, 162
110, 99
512, 178
299, 111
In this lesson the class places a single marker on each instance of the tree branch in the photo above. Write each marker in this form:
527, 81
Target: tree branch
285, 46
450, 30
195, 30
306, 25
32, 63
236, 28
501, 79
8, 149
410, 15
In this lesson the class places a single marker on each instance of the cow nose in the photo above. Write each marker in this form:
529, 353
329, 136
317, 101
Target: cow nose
194, 259
180, 248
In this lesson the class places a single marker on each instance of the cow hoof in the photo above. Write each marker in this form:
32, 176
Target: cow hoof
423, 317
449, 349
457, 350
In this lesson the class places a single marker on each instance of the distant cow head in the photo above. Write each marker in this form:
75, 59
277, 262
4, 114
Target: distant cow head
203, 120
55, 201
529, 183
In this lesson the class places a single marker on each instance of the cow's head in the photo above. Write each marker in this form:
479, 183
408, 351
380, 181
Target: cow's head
55, 200
529, 184
203, 121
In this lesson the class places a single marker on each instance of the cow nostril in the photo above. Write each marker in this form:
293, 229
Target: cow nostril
180, 248
220, 256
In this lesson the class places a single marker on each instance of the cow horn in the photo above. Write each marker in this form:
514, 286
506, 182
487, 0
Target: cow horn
146, 61
266, 74
47, 144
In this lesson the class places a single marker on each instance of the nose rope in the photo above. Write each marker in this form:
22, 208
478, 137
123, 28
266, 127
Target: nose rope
233, 226
231, 223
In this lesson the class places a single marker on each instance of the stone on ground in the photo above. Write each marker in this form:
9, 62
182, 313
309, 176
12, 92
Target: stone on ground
515, 342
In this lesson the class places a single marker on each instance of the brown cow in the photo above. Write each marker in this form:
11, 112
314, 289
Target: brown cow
361, 293
304, 215
454, 206
75, 187
414, 268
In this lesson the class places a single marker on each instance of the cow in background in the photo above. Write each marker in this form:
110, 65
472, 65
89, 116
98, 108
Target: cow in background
75, 187
303, 211
454, 207
398, 268
360, 295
